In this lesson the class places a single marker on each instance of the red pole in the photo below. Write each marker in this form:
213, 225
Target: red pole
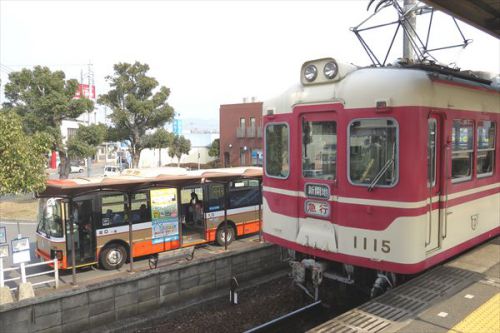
53, 160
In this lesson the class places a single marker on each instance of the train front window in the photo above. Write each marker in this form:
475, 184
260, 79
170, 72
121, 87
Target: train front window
373, 152
50, 223
462, 137
319, 149
486, 136
277, 150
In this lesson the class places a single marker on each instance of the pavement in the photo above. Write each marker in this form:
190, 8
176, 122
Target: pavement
461, 295
90, 275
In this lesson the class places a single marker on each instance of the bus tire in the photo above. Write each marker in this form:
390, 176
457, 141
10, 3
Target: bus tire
219, 238
113, 256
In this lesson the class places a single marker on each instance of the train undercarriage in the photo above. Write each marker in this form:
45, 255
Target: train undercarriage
310, 273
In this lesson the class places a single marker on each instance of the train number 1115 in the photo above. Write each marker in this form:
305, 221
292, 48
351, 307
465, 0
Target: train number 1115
366, 243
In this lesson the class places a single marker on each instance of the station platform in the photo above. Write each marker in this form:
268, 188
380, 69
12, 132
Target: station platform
462, 295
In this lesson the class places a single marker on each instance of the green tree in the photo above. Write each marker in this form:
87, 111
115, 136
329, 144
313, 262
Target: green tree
180, 146
135, 109
44, 99
158, 140
84, 143
214, 148
22, 157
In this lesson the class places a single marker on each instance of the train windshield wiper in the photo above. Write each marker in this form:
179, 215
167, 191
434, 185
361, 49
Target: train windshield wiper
379, 175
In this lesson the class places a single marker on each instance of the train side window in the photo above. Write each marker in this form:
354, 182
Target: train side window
486, 137
431, 152
373, 152
113, 210
319, 149
462, 138
277, 150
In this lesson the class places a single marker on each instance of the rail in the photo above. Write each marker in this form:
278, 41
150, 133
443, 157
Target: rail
276, 325
24, 277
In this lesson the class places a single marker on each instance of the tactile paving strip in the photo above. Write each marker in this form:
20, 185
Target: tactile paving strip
485, 319
401, 303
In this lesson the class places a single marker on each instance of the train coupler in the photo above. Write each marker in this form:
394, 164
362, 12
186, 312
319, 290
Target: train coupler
308, 272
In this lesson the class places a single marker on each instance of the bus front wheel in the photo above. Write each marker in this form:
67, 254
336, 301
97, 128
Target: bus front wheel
113, 256
221, 235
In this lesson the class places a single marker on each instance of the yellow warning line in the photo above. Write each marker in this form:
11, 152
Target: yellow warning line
485, 319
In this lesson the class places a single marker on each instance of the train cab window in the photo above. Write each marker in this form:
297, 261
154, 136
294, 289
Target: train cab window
113, 210
277, 150
486, 137
319, 149
373, 152
462, 138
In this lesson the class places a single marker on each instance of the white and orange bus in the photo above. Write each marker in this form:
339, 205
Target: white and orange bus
158, 210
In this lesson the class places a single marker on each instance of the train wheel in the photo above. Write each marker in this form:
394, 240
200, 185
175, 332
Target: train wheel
113, 256
221, 235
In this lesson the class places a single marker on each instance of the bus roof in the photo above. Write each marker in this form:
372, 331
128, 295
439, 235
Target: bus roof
135, 179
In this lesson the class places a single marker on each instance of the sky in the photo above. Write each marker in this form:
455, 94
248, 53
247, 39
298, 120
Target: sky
207, 52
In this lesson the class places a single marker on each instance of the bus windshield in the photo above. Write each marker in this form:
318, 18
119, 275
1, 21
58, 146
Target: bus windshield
50, 223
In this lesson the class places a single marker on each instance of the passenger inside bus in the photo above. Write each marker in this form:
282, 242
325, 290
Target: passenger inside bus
195, 209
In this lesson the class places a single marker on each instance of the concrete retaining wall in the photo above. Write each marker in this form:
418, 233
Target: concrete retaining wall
168, 287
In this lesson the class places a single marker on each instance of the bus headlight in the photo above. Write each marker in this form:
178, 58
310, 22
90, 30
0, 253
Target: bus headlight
56, 254
330, 70
310, 73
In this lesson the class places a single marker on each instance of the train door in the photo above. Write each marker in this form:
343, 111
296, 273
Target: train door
82, 217
434, 183
319, 173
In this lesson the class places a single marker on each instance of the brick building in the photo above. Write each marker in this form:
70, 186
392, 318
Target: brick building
240, 127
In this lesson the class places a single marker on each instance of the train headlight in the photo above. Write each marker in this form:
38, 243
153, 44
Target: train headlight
330, 70
310, 73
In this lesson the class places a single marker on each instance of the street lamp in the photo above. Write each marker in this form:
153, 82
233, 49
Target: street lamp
230, 146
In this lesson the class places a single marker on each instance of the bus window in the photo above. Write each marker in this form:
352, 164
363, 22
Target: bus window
244, 192
277, 150
215, 197
113, 210
461, 144
50, 222
486, 136
373, 152
319, 149
140, 211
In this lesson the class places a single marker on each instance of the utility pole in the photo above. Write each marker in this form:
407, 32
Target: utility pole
90, 82
411, 26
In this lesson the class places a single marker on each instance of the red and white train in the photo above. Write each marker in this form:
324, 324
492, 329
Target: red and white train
379, 171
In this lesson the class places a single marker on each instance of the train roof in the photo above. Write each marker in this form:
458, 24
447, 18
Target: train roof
134, 179
426, 85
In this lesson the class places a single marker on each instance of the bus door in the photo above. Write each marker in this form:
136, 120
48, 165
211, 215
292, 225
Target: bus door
192, 215
318, 142
81, 215
434, 183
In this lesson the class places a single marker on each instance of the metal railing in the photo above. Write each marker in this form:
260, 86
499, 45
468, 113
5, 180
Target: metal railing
24, 277
251, 132
240, 132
